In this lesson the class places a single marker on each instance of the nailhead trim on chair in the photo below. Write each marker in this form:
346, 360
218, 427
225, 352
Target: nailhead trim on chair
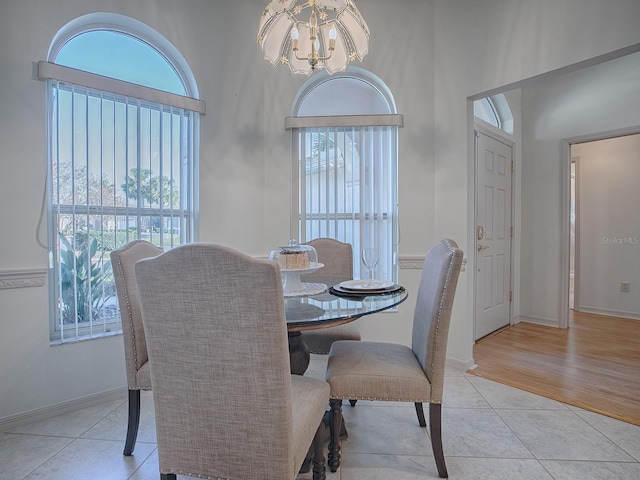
189, 474
386, 399
132, 328
126, 295
446, 286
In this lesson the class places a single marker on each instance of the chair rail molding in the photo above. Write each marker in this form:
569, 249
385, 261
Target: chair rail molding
416, 262
34, 277
411, 262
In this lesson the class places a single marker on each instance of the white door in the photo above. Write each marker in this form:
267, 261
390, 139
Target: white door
493, 234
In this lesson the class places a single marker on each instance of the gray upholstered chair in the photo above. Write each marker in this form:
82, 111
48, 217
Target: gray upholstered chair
394, 372
135, 346
337, 258
226, 403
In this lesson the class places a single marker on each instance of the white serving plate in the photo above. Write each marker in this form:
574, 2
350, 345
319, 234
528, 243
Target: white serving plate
366, 285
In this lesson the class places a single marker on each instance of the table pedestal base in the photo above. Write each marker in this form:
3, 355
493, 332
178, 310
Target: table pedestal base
298, 353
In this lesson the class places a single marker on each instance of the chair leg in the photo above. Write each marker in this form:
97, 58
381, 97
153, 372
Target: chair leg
134, 422
335, 426
319, 469
306, 464
420, 413
168, 476
353, 402
435, 427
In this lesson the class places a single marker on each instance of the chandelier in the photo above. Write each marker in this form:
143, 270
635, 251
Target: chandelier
310, 35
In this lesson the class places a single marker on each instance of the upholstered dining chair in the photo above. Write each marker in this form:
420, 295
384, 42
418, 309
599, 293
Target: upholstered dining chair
226, 403
135, 346
337, 258
394, 372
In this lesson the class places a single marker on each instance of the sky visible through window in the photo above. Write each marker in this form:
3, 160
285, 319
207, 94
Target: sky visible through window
118, 55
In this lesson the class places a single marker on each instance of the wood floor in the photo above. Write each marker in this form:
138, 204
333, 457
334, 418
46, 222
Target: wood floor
594, 364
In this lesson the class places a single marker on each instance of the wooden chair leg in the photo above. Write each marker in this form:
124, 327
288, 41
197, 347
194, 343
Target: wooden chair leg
306, 464
134, 422
435, 428
319, 469
335, 427
420, 412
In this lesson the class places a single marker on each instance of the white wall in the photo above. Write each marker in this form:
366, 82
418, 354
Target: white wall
598, 99
608, 228
432, 54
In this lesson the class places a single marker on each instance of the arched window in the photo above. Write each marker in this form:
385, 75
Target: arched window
345, 163
123, 134
495, 111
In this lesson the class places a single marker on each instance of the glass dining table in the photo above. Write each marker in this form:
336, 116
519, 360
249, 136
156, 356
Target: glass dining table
329, 309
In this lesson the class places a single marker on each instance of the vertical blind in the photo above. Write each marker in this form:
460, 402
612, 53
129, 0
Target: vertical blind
120, 169
346, 181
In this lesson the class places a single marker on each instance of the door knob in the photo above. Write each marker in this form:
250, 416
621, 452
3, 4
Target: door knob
482, 247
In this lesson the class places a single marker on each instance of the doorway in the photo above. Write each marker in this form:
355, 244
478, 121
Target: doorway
493, 233
604, 256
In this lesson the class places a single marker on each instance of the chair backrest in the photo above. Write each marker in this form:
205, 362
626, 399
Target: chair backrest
336, 256
433, 311
218, 350
135, 345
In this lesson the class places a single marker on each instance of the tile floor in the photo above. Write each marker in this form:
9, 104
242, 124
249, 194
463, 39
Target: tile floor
490, 431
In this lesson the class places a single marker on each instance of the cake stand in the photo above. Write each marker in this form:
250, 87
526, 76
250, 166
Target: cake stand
292, 285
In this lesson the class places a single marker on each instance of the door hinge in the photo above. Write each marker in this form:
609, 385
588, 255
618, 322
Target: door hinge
511, 295
513, 167
511, 232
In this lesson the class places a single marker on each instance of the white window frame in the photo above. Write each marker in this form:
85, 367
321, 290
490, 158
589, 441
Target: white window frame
173, 123
359, 207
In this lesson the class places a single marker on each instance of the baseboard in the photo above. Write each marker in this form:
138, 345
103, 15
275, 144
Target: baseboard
460, 365
609, 313
547, 322
69, 406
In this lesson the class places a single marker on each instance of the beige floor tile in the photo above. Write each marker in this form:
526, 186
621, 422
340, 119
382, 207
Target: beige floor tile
460, 393
463, 468
624, 435
392, 430
503, 396
479, 433
70, 424
114, 425
85, 459
387, 467
572, 470
21, 454
561, 435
